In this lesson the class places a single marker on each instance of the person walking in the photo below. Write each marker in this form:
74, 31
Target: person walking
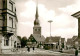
33, 49
76, 52
28, 49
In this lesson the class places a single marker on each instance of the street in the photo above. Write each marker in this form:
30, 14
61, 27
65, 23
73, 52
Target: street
37, 52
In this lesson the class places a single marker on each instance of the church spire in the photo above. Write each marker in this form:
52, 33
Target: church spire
36, 22
37, 27
36, 15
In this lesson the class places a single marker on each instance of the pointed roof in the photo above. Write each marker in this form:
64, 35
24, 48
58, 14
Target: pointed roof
38, 38
74, 38
76, 15
36, 21
69, 41
36, 15
54, 39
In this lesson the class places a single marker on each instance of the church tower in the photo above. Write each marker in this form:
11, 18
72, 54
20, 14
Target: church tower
36, 39
37, 27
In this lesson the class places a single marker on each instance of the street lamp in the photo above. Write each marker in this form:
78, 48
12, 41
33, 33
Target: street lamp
50, 40
50, 21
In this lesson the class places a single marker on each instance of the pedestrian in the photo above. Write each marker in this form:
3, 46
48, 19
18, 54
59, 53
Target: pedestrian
76, 52
28, 49
33, 48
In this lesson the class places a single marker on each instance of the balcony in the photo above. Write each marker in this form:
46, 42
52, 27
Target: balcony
8, 31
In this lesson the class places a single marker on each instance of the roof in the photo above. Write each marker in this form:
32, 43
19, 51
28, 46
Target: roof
74, 38
77, 14
52, 39
77, 39
69, 41
38, 38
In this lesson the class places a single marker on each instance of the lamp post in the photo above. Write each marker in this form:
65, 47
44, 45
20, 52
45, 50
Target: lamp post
50, 21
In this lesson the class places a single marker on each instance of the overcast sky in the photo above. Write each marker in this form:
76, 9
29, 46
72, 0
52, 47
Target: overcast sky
59, 11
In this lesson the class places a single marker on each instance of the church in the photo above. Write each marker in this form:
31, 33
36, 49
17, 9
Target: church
36, 39
8, 25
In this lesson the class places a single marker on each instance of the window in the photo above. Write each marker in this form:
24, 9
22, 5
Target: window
11, 41
15, 9
10, 22
6, 42
38, 29
10, 6
14, 23
35, 29
15, 44
4, 4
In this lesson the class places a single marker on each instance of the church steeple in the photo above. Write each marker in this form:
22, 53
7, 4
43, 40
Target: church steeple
36, 15
36, 21
37, 27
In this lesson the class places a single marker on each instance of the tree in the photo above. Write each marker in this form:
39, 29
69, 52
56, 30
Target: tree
62, 45
23, 41
19, 37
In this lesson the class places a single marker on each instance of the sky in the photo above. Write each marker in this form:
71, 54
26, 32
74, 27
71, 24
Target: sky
59, 11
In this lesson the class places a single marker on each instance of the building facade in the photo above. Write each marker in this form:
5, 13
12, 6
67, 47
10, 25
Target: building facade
53, 43
77, 15
72, 43
8, 24
63, 43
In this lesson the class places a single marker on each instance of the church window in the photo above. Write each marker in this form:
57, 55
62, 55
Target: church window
35, 29
38, 29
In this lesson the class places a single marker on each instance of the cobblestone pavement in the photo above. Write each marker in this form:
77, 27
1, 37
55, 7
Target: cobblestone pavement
36, 52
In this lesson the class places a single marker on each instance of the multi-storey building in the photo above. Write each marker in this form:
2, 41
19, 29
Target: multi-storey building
77, 40
8, 24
